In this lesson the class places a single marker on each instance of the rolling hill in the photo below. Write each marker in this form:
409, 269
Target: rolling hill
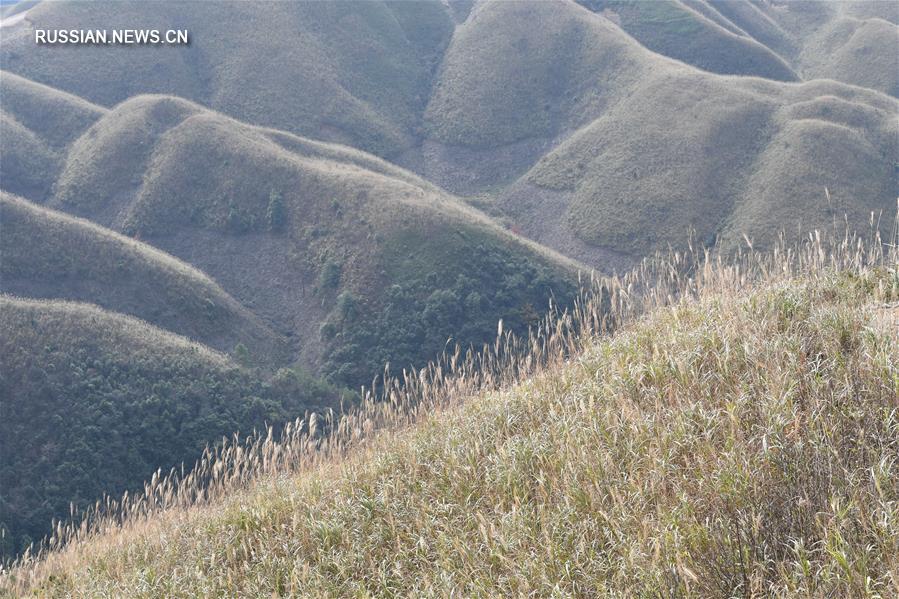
291, 251
695, 33
844, 41
37, 123
314, 238
353, 73
719, 160
658, 148
848, 49
316, 254
122, 275
478, 101
94, 402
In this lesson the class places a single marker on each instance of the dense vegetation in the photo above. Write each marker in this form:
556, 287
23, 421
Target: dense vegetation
426, 313
93, 403
740, 441
187, 180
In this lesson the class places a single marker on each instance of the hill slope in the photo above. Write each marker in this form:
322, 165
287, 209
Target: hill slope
592, 145
360, 262
725, 159
36, 124
94, 402
696, 34
845, 41
849, 50
674, 457
122, 275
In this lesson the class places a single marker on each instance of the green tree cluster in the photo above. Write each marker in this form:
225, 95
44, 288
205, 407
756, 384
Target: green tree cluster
418, 318
92, 424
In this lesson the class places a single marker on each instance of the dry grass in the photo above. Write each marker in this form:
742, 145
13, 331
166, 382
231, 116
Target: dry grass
735, 436
36, 124
688, 149
641, 147
503, 80
505, 92
696, 34
845, 51
51, 114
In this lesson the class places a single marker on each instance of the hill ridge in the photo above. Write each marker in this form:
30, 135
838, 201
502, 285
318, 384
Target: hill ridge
124, 274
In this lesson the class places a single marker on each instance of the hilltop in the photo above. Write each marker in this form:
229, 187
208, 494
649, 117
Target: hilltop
607, 151
672, 457
94, 402
695, 33
826, 146
655, 150
781, 41
37, 122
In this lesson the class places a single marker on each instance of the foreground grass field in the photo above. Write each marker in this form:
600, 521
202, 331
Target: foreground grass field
738, 435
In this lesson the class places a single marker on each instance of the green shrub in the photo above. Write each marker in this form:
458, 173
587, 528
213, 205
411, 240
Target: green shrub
277, 212
329, 277
242, 355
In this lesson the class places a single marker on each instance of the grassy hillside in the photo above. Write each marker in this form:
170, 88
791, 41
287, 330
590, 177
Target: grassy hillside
693, 35
826, 40
709, 156
122, 275
55, 116
517, 82
36, 124
474, 97
736, 435
503, 81
658, 148
632, 150
334, 247
94, 402
364, 73
28, 166
759, 22
740, 441
350, 72
849, 50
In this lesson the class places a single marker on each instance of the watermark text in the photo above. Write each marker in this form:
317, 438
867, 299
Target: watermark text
121, 37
